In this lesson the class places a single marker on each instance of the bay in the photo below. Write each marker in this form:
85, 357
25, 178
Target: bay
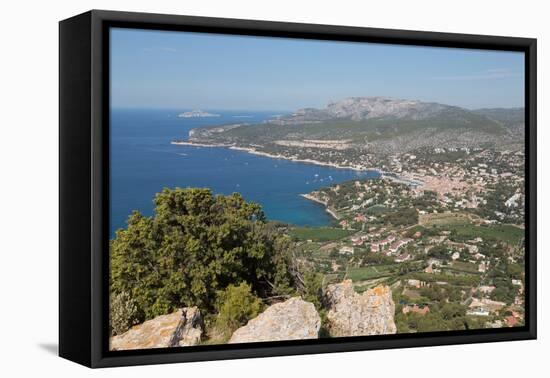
143, 162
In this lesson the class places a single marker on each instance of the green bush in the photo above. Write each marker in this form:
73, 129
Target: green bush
194, 245
402, 217
123, 313
452, 310
236, 305
430, 323
313, 289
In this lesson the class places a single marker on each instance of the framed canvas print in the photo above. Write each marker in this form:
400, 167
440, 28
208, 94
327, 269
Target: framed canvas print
234, 188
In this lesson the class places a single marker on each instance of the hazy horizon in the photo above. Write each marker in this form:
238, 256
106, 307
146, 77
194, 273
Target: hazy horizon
203, 108
182, 70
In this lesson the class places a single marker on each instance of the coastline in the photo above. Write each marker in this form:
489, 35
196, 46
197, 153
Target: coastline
194, 144
383, 174
253, 151
314, 199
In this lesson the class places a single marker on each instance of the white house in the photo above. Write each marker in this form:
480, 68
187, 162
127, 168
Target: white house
345, 250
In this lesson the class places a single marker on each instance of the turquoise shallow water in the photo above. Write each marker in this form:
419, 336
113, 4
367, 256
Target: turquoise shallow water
143, 162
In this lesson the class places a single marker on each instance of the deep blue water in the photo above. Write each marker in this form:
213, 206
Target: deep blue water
143, 162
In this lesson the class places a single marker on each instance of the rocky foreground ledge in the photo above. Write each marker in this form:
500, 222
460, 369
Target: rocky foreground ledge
180, 328
352, 314
349, 314
294, 319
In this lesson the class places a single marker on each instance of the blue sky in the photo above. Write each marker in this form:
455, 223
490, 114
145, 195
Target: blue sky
180, 70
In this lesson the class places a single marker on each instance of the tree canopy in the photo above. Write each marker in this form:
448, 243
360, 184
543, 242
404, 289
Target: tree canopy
194, 245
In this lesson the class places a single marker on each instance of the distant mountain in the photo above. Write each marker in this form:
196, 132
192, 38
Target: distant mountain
380, 124
511, 118
364, 108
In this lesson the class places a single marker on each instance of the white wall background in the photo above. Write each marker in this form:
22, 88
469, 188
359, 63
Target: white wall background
29, 176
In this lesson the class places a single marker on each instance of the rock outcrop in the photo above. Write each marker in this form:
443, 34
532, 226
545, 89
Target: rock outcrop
294, 319
352, 314
180, 328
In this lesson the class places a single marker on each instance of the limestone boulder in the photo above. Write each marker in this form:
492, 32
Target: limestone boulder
294, 319
180, 328
353, 314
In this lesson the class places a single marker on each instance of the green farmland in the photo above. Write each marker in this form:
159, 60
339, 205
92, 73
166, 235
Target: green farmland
371, 272
506, 233
321, 234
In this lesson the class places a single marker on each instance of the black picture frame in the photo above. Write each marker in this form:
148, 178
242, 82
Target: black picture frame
84, 186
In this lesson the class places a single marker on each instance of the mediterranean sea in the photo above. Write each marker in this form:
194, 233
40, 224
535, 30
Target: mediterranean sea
143, 162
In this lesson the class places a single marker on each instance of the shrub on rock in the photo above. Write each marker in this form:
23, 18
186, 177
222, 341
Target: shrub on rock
123, 312
236, 305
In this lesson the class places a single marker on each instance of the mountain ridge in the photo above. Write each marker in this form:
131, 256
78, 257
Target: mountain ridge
383, 124
362, 108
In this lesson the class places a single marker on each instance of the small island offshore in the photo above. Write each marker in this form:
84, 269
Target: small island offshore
435, 242
197, 114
